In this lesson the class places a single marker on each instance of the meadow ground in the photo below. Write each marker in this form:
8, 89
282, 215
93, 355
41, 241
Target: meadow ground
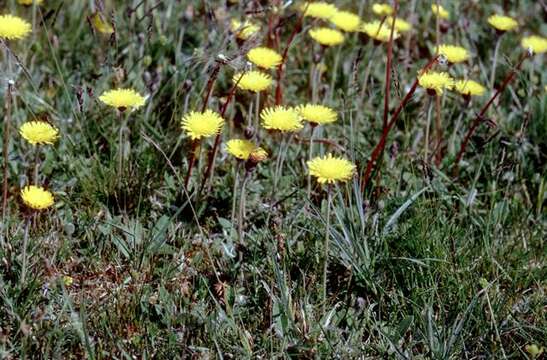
421, 251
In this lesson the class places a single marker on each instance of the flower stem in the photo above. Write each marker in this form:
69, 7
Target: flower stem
36, 165
310, 155
480, 116
191, 162
25, 245
234, 197
241, 214
212, 157
297, 28
388, 68
326, 248
257, 112
495, 62
427, 126
379, 148
5, 148
334, 72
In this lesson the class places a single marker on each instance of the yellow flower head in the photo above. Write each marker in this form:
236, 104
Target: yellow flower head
13, 27
326, 36
39, 132
454, 54
400, 24
101, 25
469, 87
502, 23
317, 114
379, 31
534, 43
122, 99
198, 125
330, 169
281, 118
346, 21
436, 81
244, 30
240, 149
319, 10
264, 57
254, 81
36, 198
382, 9
440, 11
29, 2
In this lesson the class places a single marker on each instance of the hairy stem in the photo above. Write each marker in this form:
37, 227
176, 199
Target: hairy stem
212, 155
310, 155
241, 214
495, 62
379, 148
191, 162
326, 248
297, 28
5, 148
25, 245
427, 126
234, 191
480, 116
388, 69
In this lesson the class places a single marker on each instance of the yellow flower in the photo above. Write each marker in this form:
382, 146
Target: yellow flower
454, 54
281, 118
122, 99
326, 36
317, 114
101, 25
29, 2
536, 44
346, 21
382, 9
255, 81
205, 124
39, 132
264, 57
36, 197
244, 30
436, 81
469, 87
13, 27
330, 169
319, 10
400, 24
502, 23
241, 149
379, 31
440, 11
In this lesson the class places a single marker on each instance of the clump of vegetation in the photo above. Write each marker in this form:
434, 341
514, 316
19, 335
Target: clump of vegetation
268, 179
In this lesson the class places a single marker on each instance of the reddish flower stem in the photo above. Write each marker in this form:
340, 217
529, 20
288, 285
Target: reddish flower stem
480, 116
297, 28
379, 148
212, 156
210, 83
